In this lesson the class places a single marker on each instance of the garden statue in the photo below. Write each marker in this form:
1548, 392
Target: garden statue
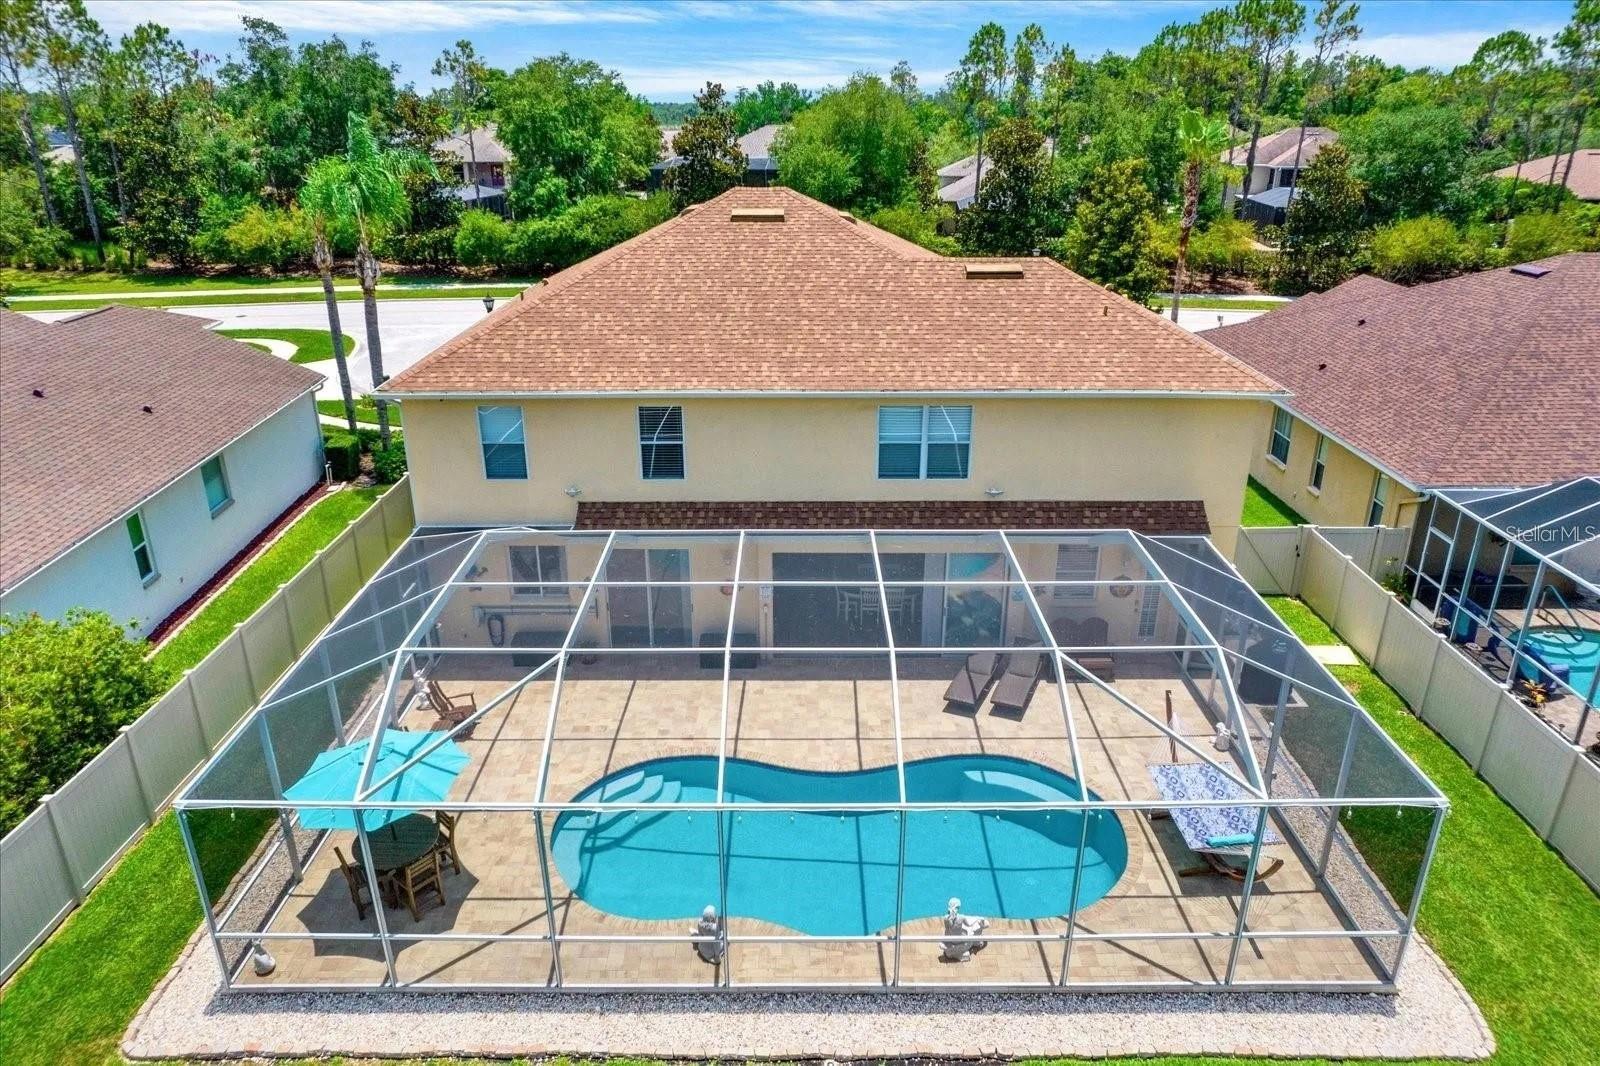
962, 929
709, 925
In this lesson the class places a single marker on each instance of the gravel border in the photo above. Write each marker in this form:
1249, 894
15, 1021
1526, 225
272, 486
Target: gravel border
187, 1017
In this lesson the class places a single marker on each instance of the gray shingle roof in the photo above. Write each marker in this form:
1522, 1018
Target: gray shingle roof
86, 452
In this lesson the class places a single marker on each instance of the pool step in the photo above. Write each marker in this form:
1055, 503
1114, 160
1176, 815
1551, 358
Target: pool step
635, 788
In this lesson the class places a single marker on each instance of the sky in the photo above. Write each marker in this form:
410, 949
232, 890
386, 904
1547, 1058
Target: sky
667, 49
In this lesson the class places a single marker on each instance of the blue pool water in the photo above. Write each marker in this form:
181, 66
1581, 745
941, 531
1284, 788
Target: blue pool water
835, 873
1579, 650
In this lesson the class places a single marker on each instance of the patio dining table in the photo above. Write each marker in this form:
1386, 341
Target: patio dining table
402, 842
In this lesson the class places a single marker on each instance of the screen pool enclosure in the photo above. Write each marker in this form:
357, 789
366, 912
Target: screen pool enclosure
883, 759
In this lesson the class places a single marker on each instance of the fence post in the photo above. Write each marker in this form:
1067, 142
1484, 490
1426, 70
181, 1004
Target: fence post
288, 618
1566, 788
61, 848
355, 546
138, 777
199, 719
249, 671
322, 576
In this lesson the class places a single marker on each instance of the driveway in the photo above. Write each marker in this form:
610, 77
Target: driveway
410, 329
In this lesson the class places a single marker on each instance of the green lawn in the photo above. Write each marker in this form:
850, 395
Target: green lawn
387, 291
366, 410
1205, 303
311, 345
257, 582
1262, 508
71, 282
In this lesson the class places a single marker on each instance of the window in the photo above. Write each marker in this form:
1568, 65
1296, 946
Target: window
1380, 501
1077, 562
661, 443
924, 442
216, 483
1282, 426
1319, 462
538, 564
143, 560
1148, 607
505, 454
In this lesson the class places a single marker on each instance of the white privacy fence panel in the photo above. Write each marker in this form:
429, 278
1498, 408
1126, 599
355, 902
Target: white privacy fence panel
51, 860
1552, 783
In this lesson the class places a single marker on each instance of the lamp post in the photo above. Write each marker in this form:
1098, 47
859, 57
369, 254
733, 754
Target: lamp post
488, 303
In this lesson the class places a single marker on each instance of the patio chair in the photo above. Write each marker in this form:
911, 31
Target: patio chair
1023, 672
355, 878
452, 710
1216, 834
446, 845
973, 680
421, 877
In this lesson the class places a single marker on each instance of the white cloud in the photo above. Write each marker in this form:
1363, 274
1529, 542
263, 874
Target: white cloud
358, 17
660, 80
1440, 50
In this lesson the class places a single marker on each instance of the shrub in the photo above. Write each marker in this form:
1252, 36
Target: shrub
268, 236
66, 687
343, 451
591, 225
389, 464
1417, 249
920, 227
481, 239
1541, 234
429, 247
1226, 246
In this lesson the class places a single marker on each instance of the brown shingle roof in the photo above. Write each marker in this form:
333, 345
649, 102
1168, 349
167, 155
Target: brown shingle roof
1487, 379
1278, 149
86, 452
1154, 517
815, 303
1584, 180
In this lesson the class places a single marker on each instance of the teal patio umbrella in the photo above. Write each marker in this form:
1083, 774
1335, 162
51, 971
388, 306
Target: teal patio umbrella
335, 773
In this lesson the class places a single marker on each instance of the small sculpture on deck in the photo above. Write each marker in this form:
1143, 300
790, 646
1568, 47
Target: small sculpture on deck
962, 929
709, 925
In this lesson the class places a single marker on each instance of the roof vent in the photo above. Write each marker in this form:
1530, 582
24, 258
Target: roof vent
994, 270
847, 216
147, 409
38, 394
756, 214
1528, 270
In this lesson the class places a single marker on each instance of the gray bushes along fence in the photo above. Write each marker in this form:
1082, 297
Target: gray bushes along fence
52, 859
1548, 780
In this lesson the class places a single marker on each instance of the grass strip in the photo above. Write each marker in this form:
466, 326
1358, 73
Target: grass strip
1263, 508
311, 345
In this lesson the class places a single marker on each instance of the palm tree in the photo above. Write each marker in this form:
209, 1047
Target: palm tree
323, 198
365, 192
1201, 141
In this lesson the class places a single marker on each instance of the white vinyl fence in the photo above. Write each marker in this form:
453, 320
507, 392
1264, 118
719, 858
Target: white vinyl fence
1548, 780
50, 861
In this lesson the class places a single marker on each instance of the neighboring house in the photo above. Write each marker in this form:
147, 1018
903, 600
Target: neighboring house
481, 183
958, 181
1583, 178
760, 168
1275, 166
1490, 379
763, 357
141, 453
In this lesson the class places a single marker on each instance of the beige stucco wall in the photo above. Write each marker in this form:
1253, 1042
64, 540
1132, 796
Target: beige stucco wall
1346, 485
807, 448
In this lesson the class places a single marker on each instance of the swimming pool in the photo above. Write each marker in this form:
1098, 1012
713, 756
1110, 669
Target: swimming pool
1578, 649
835, 873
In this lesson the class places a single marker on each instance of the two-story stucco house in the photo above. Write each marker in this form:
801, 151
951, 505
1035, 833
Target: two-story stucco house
763, 359
139, 453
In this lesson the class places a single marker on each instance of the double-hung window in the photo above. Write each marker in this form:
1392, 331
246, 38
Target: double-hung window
1380, 501
933, 441
661, 443
1319, 462
1282, 427
505, 451
1149, 609
1077, 562
536, 564
144, 560
215, 480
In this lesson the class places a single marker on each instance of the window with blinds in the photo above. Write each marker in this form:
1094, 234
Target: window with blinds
661, 443
1282, 430
1149, 607
505, 451
1077, 562
933, 441
543, 563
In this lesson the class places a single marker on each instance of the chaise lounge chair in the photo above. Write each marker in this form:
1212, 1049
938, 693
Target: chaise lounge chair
1216, 834
1015, 689
974, 680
